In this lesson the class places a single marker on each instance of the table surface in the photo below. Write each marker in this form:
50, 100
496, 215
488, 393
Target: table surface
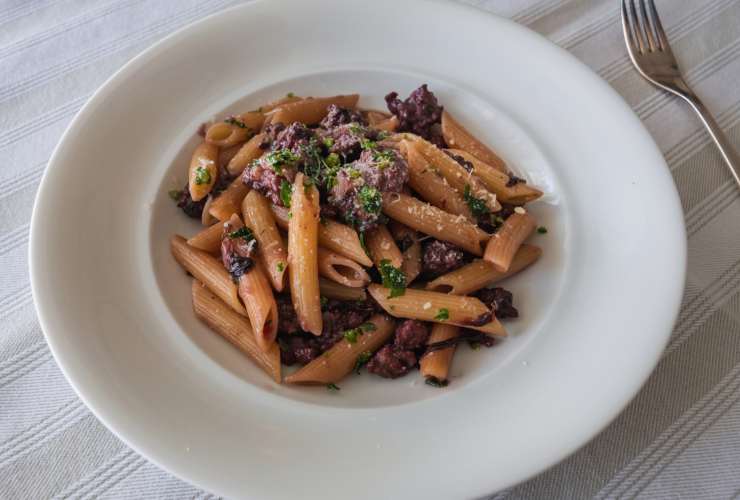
680, 437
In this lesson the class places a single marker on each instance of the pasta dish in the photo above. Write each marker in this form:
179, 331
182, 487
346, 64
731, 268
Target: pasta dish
345, 240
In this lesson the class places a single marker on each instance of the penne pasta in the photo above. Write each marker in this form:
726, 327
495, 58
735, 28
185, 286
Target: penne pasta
266, 108
234, 130
247, 153
498, 182
389, 124
432, 186
439, 308
209, 239
342, 270
333, 236
342, 358
505, 242
256, 294
208, 270
436, 364
333, 290
303, 255
433, 221
457, 137
481, 273
382, 247
461, 180
273, 252
311, 111
225, 155
229, 202
235, 328
203, 171
411, 265
374, 117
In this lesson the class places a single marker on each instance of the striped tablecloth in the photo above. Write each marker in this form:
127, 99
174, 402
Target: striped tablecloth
679, 438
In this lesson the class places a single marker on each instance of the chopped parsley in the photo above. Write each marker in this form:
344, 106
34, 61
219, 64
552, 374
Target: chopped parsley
280, 158
356, 128
435, 382
202, 176
371, 199
361, 235
477, 206
362, 360
332, 387
242, 232
384, 159
352, 334
368, 144
328, 142
236, 122
280, 266
286, 193
542, 230
175, 194
290, 95
442, 315
333, 160
393, 278
324, 301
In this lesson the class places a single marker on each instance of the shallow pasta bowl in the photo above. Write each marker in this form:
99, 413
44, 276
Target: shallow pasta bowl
597, 309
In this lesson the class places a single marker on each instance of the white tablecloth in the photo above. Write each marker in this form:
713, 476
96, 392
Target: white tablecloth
681, 435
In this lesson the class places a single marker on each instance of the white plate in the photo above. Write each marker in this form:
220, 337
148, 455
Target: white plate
597, 310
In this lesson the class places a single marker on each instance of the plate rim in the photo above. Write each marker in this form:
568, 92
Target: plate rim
150, 52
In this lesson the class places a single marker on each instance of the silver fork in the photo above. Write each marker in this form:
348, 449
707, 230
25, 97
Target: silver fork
651, 54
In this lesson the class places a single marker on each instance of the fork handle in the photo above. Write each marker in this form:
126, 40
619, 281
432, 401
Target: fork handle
728, 152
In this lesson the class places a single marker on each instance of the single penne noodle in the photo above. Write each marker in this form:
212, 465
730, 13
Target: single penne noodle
505, 242
456, 175
438, 308
433, 221
256, 294
234, 130
225, 155
432, 186
208, 270
266, 108
382, 247
229, 202
481, 273
235, 328
303, 242
206, 218
203, 171
273, 251
209, 239
457, 137
333, 236
341, 359
311, 111
333, 290
247, 153
389, 124
436, 364
374, 117
411, 265
498, 182
341, 269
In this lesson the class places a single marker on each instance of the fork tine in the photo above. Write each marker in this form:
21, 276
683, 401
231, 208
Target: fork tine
662, 38
636, 29
647, 27
627, 28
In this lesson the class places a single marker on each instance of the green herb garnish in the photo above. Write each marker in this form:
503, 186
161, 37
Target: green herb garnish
352, 334
328, 142
442, 315
286, 193
332, 387
202, 176
542, 230
281, 158
368, 144
477, 206
290, 95
242, 232
361, 236
234, 121
393, 278
175, 194
280, 267
362, 360
384, 159
333, 161
371, 199
324, 301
